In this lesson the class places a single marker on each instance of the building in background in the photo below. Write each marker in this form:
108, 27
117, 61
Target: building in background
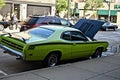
24, 8
102, 13
113, 7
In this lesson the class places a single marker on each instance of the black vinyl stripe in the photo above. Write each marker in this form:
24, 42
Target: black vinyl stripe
57, 43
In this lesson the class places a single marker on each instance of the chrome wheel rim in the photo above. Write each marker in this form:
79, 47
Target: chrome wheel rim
52, 61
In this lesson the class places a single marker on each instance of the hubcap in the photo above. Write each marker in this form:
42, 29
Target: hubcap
1, 27
52, 60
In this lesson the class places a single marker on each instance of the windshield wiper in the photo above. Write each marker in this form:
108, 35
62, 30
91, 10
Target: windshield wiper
23, 39
9, 34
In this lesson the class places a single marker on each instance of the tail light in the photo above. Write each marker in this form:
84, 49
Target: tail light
35, 25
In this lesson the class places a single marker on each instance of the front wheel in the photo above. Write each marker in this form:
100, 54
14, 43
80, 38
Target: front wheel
11, 27
114, 29
51, 60
106, 29
98, 53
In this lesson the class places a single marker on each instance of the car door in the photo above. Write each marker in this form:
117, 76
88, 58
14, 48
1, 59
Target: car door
81, 46
66, 37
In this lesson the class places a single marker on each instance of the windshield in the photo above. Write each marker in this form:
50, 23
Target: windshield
42, 32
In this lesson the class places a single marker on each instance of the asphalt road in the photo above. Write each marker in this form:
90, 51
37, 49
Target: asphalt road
113, 37
9, 64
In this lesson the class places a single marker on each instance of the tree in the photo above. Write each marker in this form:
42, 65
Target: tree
61, 5
93, 5
2, 3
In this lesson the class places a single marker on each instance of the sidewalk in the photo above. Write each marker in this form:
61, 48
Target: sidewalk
105, 68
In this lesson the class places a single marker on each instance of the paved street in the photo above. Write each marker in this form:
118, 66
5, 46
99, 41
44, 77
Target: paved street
113, 37
105, 68
9, 65
48, 46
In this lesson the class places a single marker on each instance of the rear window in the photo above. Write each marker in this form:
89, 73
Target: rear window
34, 20
42, 32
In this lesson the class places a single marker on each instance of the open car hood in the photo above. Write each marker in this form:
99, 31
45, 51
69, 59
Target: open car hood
89, 27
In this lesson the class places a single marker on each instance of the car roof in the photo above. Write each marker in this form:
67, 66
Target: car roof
58, 27
55, 17
47, 16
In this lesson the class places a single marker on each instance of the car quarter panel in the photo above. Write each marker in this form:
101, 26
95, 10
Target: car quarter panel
40, 51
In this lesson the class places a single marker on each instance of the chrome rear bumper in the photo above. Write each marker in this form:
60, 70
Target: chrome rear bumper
12, 52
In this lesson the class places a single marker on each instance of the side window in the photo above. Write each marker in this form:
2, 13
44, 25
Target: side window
55, 21
65, 22
78, 36
32, 20
66, 36
42, 20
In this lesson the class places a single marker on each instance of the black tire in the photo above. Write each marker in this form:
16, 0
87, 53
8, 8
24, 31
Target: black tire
23, 28
106, 29
11, 27
51, 60
98, 53
114, 29
1, 27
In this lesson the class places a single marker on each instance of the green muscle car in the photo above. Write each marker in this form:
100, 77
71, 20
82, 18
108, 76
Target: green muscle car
51, 43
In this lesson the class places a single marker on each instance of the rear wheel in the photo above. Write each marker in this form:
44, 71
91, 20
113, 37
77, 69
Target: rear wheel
51, 60
1, 27
98, 53
23, 28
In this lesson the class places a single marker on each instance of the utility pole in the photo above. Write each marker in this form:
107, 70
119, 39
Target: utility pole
68, 16
109, 13
12, 7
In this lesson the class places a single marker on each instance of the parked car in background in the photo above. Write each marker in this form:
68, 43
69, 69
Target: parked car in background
3, 25
51, 44
7, 24
108, 25
36, 21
